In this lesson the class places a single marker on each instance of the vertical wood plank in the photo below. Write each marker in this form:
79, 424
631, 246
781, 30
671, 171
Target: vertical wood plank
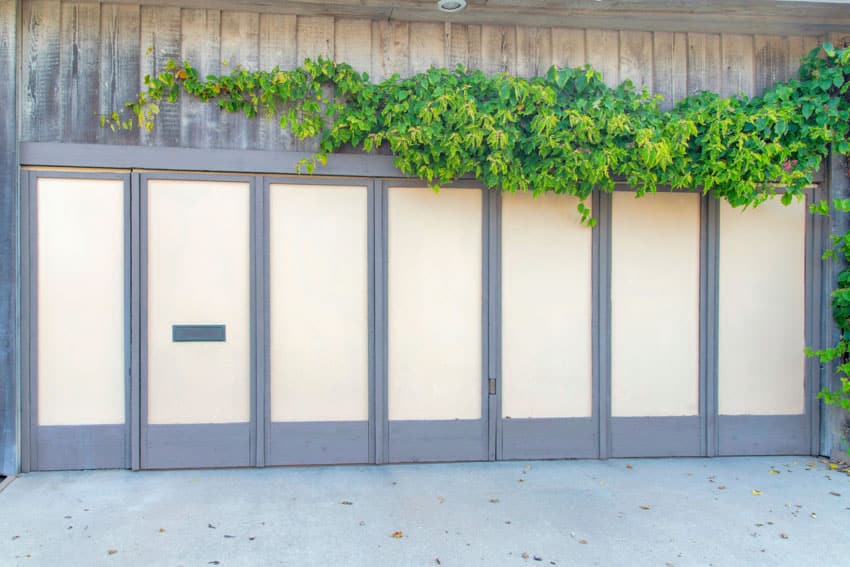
9, 431
353, 43
703, 62
314, 38
568, 47
534, 51
119, 66
458, 49
670, 61
427, 46
636, 63
240, 48
40, 69
201, 46
277, 49
603, 54
78, 72
498, 49
738, 74
160, 42
771, 61
390, 49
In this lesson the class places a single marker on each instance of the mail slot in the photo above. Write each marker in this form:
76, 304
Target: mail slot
198, 333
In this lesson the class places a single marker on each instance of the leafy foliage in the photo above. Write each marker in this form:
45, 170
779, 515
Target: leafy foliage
566, 132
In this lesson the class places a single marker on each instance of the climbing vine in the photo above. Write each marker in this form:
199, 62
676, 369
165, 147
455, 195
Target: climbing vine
566, 132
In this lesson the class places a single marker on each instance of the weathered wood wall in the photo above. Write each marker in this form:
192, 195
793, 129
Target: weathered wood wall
8, 239
83, 59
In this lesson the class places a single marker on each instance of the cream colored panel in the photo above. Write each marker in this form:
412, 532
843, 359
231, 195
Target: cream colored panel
434, 303
80, 301
761, 315
546, 308
198, 273
655, 305
319, 303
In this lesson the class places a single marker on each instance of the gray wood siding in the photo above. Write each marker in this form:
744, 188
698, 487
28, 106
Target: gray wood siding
82, 59
8, 240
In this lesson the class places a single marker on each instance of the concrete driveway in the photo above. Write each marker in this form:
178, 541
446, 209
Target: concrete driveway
723, 511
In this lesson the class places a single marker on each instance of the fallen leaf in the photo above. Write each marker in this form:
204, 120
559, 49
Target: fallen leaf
783, 535
252, 538
835, 493
814, 516
15, 537
721, 487
162, 530
361, 523
833, 466
644, 507
583, 541
397, 535
629, 466
774, 471
756, 492
494, 501
112, 551
437, 561
524, 555
441, 499
536, 558
229, 536
210, 526
346, 503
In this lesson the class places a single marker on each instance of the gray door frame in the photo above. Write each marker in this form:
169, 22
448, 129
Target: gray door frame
437, 440
59, 447
195, 445
319, 442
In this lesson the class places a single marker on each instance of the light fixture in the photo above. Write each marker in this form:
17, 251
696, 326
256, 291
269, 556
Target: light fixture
451, 6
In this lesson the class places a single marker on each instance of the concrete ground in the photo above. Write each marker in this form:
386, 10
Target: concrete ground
723, 511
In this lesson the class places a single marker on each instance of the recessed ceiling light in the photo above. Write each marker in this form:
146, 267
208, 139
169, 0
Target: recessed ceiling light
451, 6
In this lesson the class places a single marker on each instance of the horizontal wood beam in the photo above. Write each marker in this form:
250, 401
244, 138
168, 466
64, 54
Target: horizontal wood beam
810, 18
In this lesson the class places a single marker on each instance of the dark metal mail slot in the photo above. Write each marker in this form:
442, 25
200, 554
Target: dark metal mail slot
197, 333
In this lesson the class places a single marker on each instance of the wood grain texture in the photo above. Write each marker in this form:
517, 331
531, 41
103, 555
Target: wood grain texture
534, 51
670, 61
240, 49
201, 45
465, 46
636, 58
277, 49
498, 49
569, 47
703, 62
390, 49
119, 67
603, 54
40, 58
771, 61
78, 71
737, 74
8, 239
428, 43
160, 43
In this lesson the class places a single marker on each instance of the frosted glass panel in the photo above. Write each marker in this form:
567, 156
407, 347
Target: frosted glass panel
319, 303
655, 305
81, 366
546, 308
198, 273
761, 315
434, 275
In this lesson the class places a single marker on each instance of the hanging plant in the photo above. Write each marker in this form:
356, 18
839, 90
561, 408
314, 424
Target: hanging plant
566, 132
